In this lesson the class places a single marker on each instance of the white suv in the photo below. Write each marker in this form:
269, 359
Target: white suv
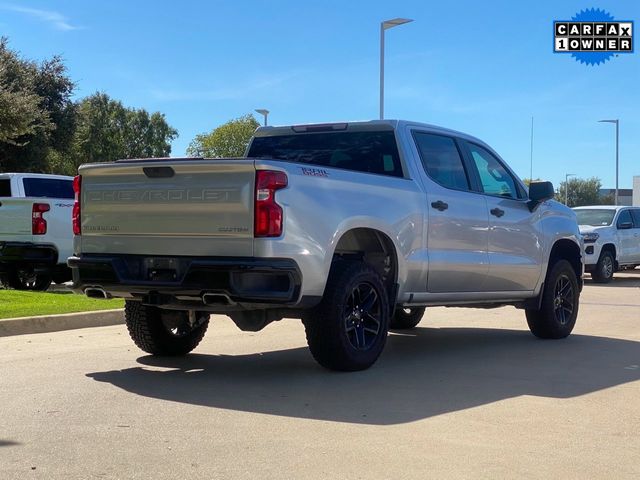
611, 239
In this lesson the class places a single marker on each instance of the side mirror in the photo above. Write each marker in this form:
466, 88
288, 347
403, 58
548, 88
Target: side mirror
625, 226
538, 193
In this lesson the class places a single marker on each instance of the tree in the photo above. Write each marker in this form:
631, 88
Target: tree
228, 140
106, 130
36, 111
580, 192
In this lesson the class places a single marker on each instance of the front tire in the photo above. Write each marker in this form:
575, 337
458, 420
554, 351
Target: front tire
604, 268
164, 332
348, 330
560, 299
406, 318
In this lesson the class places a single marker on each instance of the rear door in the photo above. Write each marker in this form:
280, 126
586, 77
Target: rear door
515, 235
457, 218
189, 207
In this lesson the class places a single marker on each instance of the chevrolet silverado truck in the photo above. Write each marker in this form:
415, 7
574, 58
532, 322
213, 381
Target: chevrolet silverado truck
35, 229
611, 239
354, 228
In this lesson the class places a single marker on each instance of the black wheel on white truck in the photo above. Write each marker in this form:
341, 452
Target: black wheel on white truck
605, 267
28, 279
164, 332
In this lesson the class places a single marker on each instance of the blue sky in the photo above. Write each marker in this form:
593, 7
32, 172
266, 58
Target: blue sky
481, 67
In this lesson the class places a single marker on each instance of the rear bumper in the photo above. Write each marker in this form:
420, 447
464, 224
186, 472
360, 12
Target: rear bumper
13, 254
206, 283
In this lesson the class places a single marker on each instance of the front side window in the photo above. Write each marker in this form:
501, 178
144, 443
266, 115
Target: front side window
441, 160
494, 177
624, 217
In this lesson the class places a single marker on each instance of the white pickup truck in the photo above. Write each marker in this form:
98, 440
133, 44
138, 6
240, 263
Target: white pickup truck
611, 239
35, 229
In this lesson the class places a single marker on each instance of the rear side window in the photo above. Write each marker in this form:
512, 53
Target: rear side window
48, 188
370, 152
635, 213
441, 160
5, 187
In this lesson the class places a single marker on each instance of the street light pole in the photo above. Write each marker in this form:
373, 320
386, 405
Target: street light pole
617, 122
566, 187
386, 25
264, 113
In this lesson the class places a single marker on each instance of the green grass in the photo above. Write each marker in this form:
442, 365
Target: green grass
14, 303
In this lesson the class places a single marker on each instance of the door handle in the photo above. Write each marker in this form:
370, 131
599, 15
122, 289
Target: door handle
497, 212
440, 205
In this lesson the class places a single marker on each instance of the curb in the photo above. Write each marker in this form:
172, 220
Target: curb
56, 323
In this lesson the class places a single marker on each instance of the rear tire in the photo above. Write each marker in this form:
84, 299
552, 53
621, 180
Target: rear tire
560, 299
163, 332
605, 267
25, 279
406, 318
348, 330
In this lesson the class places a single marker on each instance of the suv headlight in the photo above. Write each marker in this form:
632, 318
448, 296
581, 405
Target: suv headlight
590, 237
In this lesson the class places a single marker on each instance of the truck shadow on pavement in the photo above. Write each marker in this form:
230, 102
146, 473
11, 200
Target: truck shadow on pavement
425, 373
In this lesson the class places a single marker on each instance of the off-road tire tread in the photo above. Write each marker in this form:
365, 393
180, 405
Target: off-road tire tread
149, 334
327, 342
542, 322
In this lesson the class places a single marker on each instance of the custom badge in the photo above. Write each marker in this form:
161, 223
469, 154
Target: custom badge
593, 36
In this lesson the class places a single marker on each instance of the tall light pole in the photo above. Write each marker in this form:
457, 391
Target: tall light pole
566, 187
617, 122
264, 113
531, 158
386, 25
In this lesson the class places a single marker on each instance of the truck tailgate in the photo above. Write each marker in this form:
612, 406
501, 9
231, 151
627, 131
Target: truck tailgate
179, 207
15, 218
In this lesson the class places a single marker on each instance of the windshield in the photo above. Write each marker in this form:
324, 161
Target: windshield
595, 218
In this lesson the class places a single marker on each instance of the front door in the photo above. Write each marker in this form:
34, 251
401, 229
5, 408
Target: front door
515, 233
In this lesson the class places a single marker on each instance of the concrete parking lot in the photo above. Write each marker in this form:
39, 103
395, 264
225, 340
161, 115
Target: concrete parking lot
468, 394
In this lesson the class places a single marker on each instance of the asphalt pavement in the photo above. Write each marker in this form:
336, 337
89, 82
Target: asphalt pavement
470, 393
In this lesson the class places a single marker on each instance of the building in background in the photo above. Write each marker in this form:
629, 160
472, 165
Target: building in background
625, 195
636, 191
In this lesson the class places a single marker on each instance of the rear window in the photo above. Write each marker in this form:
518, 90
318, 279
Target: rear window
5, 187
48, 188
370, 152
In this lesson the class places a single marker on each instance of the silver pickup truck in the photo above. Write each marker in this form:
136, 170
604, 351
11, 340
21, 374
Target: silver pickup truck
353, 227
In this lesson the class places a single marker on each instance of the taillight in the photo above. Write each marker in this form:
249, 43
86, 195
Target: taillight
77, 186
268, 214
38, 223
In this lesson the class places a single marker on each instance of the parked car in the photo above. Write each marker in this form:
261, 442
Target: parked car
611, 239
352, 227
35, 229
